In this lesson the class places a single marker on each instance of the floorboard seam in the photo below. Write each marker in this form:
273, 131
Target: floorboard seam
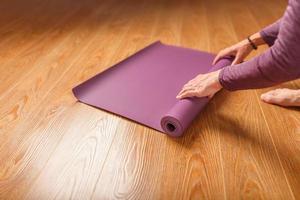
277, 154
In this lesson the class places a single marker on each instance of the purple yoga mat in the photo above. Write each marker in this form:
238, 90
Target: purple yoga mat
144, 86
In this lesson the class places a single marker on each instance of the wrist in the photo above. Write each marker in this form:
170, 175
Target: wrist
246, 44
257, 39
217, 83
252, 42
297, 98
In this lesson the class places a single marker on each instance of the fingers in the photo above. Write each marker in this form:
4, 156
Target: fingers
188, 86
191, 82
238, 59
190, 92
269, 94
186, 94
211, 96
266, 97
222, 54
218, 57
271, 97
185, 90
201, 86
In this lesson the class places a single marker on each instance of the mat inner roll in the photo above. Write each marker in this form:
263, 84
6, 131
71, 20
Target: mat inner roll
171, 127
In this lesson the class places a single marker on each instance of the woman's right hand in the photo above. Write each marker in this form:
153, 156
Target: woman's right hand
240, 50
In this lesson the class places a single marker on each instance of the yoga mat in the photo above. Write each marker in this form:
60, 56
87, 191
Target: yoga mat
143, 87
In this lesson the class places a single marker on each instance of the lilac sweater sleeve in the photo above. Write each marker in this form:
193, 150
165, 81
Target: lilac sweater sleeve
270, 33
280, 63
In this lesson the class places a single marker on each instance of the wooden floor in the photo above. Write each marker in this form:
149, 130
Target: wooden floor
52, 147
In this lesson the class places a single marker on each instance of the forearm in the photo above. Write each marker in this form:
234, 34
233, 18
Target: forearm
270, 33
266, 36
278, 64
247, 75
262, 71
257, 39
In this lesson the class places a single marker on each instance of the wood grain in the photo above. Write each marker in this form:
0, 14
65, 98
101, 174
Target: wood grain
52, 147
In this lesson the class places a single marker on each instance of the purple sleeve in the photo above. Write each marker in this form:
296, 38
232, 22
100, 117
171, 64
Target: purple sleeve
278, 64
270, 33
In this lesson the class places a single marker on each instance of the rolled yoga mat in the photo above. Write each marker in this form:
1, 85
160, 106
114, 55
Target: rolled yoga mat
144, 86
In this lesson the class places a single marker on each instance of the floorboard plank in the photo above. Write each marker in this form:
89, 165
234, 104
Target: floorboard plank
52, 147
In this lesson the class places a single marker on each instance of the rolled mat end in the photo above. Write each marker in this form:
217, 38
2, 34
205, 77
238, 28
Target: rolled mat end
171, 126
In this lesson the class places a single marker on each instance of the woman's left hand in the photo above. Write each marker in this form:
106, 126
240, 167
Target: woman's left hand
204, 85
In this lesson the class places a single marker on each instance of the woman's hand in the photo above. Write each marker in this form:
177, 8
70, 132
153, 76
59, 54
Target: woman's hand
201, 86
240, 50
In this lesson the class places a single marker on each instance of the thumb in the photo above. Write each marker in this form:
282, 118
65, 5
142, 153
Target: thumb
217, 58
238, 59
211, 95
